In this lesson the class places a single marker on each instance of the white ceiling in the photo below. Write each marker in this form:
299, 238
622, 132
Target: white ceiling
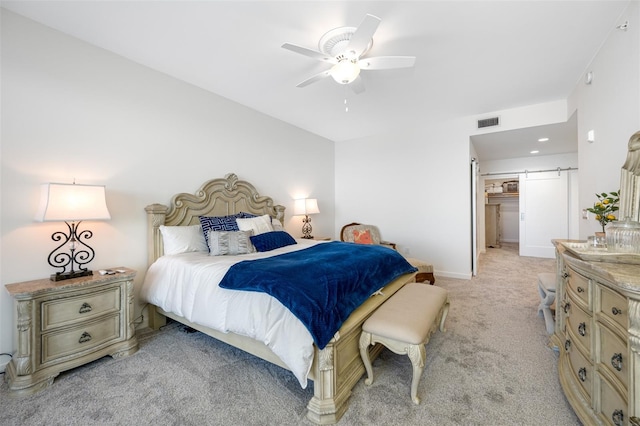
473, 57
562, 139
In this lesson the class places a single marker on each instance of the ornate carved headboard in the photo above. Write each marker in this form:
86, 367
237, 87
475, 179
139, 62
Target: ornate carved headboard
216, 197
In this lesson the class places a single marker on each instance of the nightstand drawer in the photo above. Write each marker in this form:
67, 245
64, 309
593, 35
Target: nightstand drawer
56, 345
62, 312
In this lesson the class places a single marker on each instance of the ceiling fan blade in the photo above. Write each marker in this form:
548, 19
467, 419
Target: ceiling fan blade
386, 62
309, 52
314, 78
357, 85
362, 37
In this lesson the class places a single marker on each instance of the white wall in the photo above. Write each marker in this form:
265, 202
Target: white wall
414, 185
73, 111
611, 107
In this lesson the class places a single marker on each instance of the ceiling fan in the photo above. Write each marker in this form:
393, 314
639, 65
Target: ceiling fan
344, 49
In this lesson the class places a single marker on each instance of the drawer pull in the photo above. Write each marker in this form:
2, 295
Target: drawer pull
85, 308
85, 337
616, 361
565, 275
580, 290
615, 311
582, 329
634, 421
566, 308
582, 374
567, 344
617, 417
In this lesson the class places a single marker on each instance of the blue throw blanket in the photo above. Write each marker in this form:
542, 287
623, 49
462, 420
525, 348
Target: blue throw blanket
321, 285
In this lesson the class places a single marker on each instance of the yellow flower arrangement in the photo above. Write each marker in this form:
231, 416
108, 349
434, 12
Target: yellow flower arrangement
605, 206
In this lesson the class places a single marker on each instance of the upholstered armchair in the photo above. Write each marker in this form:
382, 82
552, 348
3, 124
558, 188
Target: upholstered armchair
370, 234
363, 234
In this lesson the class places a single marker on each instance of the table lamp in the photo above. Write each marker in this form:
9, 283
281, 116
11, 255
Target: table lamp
71, 204
306, 206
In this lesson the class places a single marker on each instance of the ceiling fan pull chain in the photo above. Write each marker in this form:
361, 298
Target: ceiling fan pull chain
346, 107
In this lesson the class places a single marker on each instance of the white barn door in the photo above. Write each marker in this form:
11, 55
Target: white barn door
544, 212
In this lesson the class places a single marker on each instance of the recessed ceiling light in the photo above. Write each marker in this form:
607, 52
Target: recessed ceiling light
534, 152
543, 139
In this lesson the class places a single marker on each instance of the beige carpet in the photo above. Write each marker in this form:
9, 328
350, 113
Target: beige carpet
491, 367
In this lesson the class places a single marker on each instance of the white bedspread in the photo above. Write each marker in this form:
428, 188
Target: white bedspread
187, 285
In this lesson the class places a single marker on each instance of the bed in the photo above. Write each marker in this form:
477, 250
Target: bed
335, 368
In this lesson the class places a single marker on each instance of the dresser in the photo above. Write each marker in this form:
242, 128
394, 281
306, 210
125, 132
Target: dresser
64, 324
597, 332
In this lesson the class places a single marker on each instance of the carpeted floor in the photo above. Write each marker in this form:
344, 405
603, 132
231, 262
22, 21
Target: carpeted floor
491, 367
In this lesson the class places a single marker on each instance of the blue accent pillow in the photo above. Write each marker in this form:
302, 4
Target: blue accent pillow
221, 223
272, 240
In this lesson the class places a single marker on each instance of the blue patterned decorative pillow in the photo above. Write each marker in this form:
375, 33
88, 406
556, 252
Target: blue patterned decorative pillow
221, 223
271, 240
218, 223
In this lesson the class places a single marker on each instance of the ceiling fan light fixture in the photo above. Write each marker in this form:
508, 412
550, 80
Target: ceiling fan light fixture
345, 71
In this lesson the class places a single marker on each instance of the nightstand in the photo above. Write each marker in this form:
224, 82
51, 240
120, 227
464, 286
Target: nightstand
65, 324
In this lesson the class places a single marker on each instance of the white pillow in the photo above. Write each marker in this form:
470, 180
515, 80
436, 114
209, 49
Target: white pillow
182, 239
230, 242
259, 225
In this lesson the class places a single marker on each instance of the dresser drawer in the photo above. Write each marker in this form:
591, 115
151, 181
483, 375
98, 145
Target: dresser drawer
78, 339
613, 306
613, 355
613, 407
578, 323
582, 370
578, 284
63, 312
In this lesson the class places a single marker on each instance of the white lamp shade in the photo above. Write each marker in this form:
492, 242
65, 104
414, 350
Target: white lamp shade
72, 202
306, 206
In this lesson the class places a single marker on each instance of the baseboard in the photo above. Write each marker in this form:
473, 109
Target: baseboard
3, 363
456, 275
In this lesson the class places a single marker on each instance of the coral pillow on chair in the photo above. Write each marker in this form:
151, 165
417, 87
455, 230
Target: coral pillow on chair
362, 236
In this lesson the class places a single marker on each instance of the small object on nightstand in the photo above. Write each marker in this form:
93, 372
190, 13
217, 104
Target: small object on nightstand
65, 324
321, 238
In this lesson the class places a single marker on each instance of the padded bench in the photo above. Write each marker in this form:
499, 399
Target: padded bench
425, 270
404, 324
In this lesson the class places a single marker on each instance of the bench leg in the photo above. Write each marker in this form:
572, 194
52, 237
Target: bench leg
417, 355
365, 342
425, 276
